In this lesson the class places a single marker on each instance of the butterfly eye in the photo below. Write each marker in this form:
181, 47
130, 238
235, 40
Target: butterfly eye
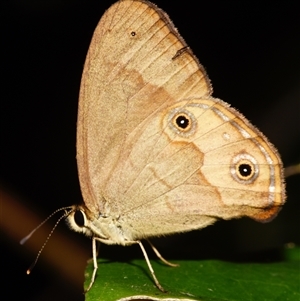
79, 218
244, 169
182, 122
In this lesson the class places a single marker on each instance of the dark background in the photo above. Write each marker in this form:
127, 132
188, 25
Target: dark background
251, 52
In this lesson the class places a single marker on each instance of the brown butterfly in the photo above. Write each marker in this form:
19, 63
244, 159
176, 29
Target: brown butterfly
156, 153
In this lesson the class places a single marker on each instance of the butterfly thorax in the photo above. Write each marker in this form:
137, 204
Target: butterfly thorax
105, 228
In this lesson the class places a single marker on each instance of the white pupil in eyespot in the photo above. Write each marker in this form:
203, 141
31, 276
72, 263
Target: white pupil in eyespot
245, 170
182, 122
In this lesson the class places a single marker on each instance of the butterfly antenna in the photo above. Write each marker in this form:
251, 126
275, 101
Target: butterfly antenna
23, 240
49, 235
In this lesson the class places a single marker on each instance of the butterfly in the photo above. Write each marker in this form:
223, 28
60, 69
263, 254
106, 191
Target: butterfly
156, 153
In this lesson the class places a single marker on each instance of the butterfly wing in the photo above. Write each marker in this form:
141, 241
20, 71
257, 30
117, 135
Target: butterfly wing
155, 152
187, 177
136, 64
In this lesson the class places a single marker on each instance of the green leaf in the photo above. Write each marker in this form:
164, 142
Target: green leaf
207, 280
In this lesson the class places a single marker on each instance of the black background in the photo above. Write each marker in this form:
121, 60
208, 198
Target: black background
250, 50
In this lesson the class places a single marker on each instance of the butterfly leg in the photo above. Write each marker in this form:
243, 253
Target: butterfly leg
95, 253
150, 266
160, 256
